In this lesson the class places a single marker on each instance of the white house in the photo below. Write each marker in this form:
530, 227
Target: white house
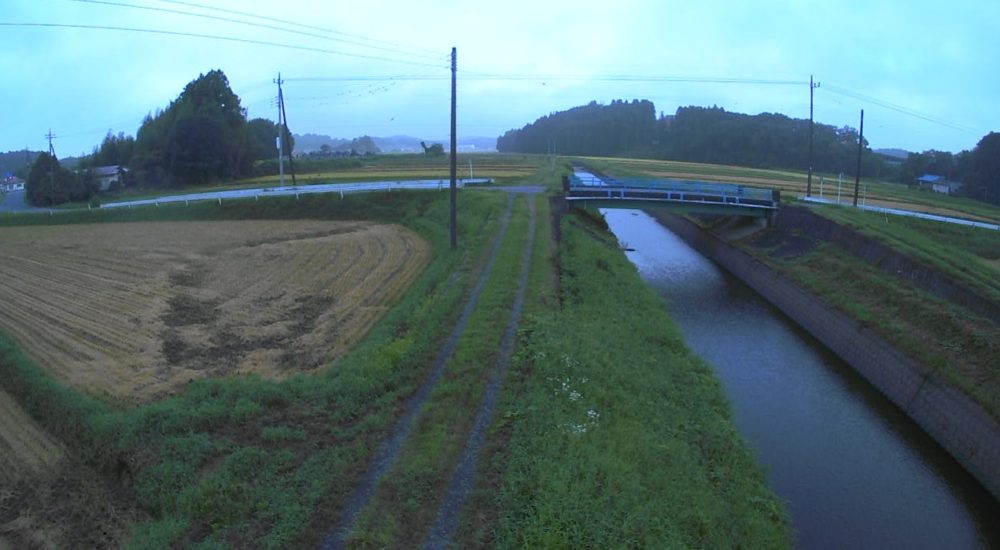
11, 184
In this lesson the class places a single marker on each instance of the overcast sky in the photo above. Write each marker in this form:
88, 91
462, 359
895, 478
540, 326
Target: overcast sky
517, 60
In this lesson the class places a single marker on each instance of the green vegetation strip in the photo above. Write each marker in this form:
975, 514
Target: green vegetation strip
406, 502
958, 346
389, 452
613, 434
968, 254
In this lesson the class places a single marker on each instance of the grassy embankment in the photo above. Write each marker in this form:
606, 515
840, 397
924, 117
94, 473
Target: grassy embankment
612, 432
960, 346
609, 431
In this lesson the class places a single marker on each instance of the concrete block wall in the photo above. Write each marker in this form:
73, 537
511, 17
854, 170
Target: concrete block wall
953, 419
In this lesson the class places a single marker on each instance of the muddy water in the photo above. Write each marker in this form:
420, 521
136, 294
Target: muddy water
853, 470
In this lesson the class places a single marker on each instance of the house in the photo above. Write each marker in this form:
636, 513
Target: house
107, 175
11, 184
938, 184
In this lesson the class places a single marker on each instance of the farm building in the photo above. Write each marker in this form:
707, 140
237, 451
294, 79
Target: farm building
107, 175
938, 184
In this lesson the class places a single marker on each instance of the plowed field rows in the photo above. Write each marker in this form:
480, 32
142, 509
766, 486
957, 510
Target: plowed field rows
25, 449
134, 310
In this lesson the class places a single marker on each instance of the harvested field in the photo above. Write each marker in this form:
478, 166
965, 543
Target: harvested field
25, 448
134, 311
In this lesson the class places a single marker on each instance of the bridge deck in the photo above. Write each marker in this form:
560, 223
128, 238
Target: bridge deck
671, 191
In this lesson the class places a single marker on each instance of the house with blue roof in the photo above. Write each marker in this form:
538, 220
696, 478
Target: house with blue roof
938, 184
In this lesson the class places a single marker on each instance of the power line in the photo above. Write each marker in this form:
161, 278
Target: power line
220, 38
566, 77
396, 51
293, 23
901, 109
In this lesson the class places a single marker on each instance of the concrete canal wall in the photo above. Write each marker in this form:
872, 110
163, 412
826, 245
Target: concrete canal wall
954, 420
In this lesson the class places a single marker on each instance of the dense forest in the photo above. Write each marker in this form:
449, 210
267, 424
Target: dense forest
768, 140
694, 134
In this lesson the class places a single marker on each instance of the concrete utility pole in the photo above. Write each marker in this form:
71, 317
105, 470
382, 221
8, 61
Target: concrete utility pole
52, 175
861, 146
809, 181
285, 132
281, 135
454, 160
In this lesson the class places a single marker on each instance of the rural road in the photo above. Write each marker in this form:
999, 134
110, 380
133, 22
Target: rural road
14, 202
356, 187
911, 214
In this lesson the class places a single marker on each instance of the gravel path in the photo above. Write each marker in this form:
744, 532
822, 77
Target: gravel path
463, 476
387, 453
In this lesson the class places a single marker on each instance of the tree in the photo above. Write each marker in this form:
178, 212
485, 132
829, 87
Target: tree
201, 136
434, 150
984, 181
49, 183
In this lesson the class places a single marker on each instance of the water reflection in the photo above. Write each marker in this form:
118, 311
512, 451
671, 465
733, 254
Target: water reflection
854, 471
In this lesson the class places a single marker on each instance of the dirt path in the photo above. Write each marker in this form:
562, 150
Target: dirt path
464, 474
387, 453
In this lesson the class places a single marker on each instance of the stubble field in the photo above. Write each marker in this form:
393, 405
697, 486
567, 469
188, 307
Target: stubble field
134, 311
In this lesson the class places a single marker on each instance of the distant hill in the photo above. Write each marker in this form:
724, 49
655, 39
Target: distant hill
17, 162
900, 154
307, 143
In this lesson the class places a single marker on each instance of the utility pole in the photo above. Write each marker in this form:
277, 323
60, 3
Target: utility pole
281, 135
50, 137
454, 158
809, 181
52, 165
285, 132
861, 146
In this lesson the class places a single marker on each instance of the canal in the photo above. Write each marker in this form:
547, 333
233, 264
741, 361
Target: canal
853, 470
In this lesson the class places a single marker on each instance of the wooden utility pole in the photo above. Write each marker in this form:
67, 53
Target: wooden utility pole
861, 146
454, 153
281, 137
809, 180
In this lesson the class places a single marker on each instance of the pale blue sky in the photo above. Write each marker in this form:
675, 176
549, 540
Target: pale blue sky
935, 60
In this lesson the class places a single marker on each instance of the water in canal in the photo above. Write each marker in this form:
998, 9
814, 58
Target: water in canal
854, 472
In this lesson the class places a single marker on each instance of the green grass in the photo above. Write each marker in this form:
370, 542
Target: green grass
612, 433
960, 347
969, 254
407, 501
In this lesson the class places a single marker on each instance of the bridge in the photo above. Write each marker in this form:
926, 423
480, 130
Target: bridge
587, 190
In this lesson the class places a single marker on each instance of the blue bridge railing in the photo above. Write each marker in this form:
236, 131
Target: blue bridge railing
670, 190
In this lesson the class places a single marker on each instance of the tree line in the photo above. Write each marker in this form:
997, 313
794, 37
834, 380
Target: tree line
767, 140
692, 134
200, 137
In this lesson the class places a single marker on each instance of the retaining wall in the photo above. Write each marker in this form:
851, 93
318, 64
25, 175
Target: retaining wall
953, 419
